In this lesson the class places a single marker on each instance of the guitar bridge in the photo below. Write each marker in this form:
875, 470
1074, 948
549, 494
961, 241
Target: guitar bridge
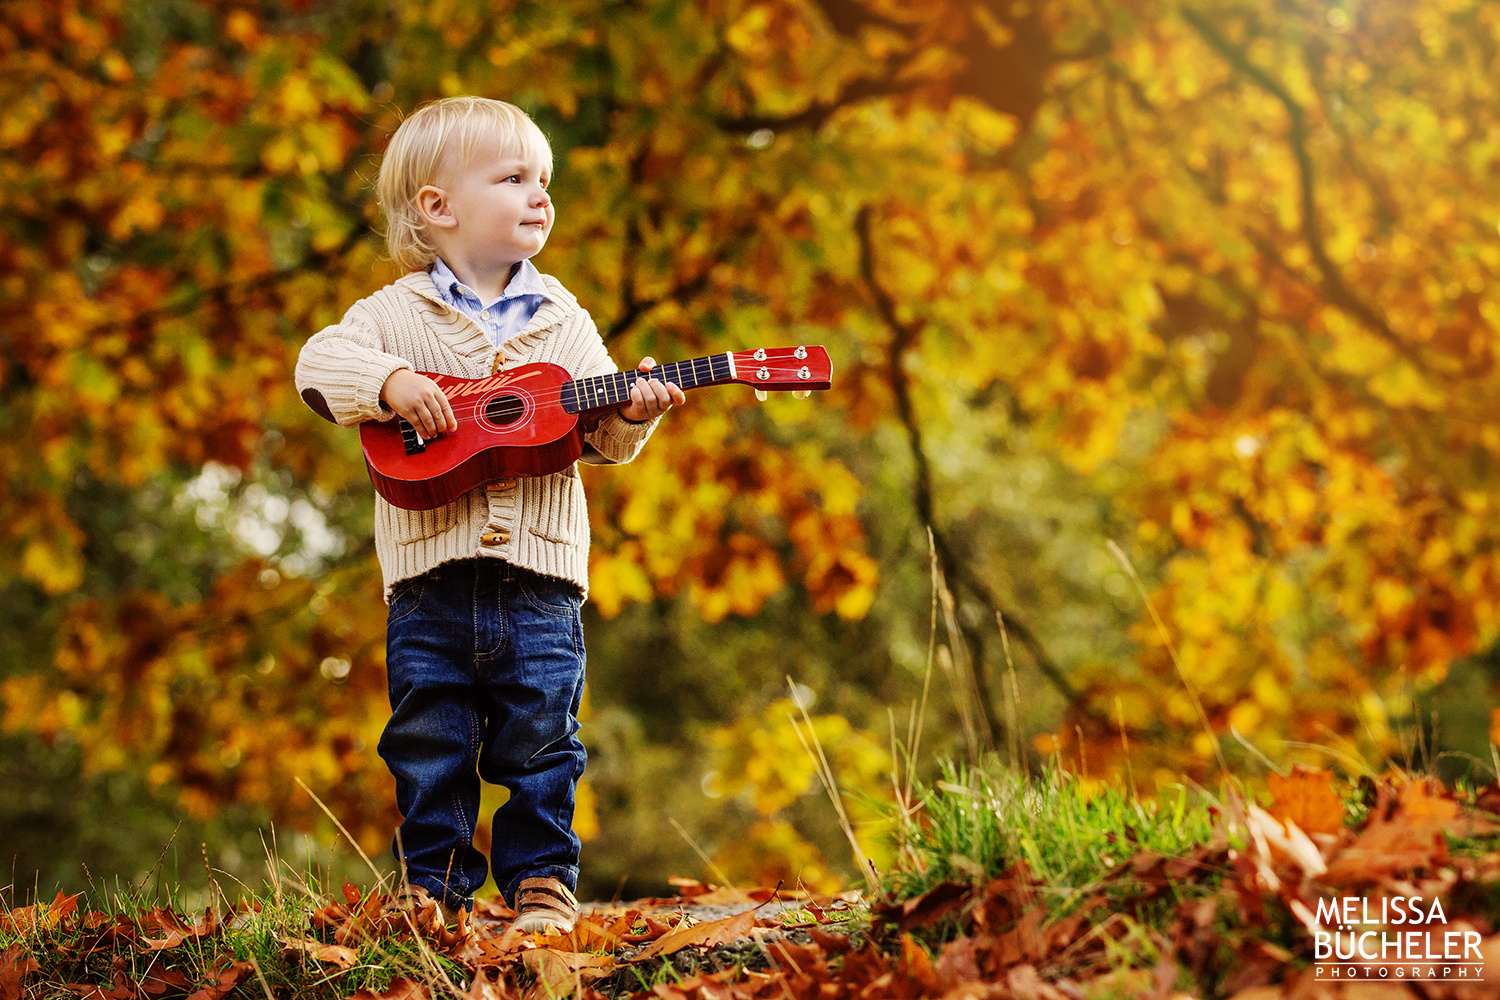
409, 437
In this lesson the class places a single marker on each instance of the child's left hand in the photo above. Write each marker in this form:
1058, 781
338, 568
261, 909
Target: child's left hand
650, 397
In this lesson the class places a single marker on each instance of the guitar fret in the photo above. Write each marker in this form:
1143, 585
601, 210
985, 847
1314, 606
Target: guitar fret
606, 390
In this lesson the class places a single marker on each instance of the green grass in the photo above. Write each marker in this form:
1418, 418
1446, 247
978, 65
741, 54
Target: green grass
975, 823
74, 950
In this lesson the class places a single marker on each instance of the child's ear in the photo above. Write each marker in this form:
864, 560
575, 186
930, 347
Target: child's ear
432, 202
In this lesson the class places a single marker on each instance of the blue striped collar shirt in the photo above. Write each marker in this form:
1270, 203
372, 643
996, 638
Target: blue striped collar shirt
502, 317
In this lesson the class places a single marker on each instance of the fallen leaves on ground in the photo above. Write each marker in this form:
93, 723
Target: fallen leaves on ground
1235, 917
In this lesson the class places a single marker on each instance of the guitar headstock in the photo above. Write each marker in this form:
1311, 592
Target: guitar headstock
775, 369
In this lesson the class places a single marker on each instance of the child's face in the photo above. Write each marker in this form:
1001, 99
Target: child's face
499, 206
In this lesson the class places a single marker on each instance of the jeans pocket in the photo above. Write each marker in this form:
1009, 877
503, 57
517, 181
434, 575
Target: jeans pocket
550, 595
406, 597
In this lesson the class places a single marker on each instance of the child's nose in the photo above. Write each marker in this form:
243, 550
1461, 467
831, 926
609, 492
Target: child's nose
542, 199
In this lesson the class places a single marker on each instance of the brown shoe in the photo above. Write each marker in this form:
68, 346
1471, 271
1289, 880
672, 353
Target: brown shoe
545, 905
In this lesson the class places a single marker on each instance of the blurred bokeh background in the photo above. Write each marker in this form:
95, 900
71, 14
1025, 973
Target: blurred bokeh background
1212, 280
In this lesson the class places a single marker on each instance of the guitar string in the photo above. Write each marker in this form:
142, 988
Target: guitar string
554, 393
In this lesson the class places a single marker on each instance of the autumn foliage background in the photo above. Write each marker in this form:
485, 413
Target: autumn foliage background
1212, 280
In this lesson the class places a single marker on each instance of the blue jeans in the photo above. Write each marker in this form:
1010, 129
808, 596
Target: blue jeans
485, 661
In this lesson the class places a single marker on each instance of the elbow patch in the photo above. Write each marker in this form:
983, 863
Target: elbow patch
315, 401
593, 456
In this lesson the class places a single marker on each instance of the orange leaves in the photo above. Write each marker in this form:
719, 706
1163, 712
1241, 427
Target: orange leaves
714, 510
706, 934
42, 916
1307, 798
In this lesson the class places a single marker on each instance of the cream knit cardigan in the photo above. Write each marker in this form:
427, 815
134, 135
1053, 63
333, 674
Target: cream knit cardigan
544, 520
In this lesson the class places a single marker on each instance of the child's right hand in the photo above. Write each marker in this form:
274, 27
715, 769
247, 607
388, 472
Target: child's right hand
419, 400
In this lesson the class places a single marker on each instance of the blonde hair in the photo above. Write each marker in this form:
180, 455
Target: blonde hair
418, 150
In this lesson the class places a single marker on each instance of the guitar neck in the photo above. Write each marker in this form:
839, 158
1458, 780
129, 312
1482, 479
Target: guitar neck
602, 392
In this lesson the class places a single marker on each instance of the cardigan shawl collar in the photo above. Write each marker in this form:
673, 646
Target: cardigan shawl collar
466, 337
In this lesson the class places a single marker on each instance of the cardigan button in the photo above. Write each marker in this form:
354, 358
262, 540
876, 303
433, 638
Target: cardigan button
494, 538
504, 484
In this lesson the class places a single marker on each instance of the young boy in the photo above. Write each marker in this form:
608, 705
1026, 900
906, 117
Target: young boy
484, 646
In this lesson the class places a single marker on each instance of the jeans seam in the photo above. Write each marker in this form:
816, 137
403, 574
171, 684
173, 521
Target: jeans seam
418, 583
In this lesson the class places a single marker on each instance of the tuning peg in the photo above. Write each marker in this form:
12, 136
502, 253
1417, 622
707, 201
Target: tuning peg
801, 393
760, 394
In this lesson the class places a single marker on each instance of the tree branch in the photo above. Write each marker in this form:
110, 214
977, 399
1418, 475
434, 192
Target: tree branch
1334, 287
903, 335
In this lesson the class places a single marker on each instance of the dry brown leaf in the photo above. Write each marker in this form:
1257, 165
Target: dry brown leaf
334, 954
586, 936
1308, 799
1417, 805
1259, 993
707, 934
920, 911
916, 963
14, 965
228, 978
400, 989
481, 987
687, 888
494, 908
43, 916
560, 973
1384, 849
1026, 984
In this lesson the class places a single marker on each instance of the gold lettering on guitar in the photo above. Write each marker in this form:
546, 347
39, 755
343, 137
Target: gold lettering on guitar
508, 379
474, 387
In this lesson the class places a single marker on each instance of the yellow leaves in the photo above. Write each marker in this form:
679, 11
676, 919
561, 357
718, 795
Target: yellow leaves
1270, 690
748, 574
839, 575
616, 577
763, 757
988, 130
586, 811
1401, 385
51, 547
56, 569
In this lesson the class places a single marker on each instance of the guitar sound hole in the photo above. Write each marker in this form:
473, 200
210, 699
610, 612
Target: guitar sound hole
504, 410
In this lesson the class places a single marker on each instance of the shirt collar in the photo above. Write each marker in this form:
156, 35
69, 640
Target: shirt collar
525, 279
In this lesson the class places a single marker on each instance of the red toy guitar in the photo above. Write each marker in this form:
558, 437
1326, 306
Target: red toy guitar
526, 421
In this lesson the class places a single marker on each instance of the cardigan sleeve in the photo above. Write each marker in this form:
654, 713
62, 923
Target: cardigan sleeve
616, 439
342, 369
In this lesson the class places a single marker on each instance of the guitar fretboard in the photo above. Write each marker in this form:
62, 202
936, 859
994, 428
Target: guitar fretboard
607, 390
